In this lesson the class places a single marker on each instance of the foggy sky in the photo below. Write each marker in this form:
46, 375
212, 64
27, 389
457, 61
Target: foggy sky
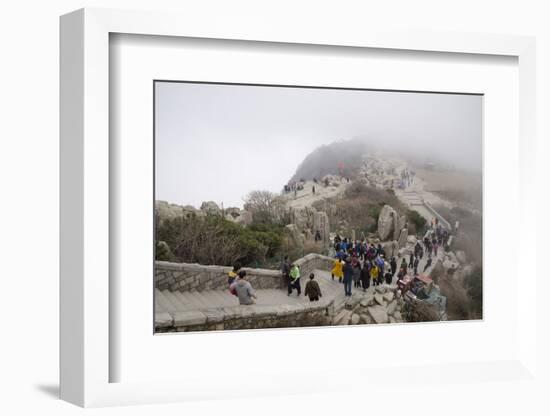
218, 142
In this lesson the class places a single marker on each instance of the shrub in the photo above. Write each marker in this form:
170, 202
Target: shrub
215, 240
417, 220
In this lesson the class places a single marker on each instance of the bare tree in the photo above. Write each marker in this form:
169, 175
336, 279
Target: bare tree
262, 205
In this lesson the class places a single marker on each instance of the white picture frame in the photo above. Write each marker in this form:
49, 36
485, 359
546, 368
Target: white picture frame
85, 354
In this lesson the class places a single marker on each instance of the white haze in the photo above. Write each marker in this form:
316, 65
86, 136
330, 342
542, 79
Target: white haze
218, 142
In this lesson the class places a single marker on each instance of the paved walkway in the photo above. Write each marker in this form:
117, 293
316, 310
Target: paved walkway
166, 301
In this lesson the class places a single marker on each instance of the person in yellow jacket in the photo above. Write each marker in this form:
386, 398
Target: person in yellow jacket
338, 270
374, 275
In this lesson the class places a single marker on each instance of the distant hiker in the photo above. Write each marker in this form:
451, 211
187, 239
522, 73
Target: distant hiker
313, 189
326, 182
348, 277
374, 272
294, 281
416, 261
356, 272
428, 263
232, 275
389, 277
379, 261
285, 270
403, 268
244, 290
365, 276
338, 270
393, 265
318, 236
313, 291
411, 260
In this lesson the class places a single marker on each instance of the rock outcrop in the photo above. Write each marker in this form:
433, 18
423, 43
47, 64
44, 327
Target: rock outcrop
386, 221
384, 306
210, 207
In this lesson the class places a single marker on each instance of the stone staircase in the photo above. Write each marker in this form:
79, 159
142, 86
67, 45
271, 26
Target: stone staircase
171, 302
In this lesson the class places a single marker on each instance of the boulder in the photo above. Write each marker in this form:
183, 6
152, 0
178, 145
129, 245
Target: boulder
392, 320
390, 247
364, 303
392, 307
321, 223
411, 239
210, 207
355, 319
461, 256
379, 299
388, 296
399, 225
403, 238
386, 222
365, 319
397, 316
370, 299
379, 289
354, 300
342, 318
295, 234
378, 314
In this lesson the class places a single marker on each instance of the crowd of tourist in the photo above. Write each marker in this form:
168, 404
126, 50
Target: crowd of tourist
357, 263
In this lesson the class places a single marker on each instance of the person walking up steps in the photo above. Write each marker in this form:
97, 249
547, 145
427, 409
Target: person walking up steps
428, 263
294, 281
338, 269
365, 276
285, 270
374, 275
313, 291
348, 277
393, 265
356, 272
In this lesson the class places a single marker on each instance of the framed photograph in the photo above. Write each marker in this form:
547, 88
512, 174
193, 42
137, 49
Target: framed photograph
279, 196
312, 229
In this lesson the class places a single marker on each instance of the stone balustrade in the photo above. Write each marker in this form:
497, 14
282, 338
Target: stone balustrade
247, 317
185, 277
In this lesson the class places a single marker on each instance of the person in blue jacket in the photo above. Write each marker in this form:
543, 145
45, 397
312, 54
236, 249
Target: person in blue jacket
348, 277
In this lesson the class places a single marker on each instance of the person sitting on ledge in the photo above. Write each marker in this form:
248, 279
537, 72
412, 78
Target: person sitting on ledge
244, 290
312, 289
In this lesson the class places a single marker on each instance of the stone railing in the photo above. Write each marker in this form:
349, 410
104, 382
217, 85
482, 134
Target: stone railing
436, 214
184, 277
247, 317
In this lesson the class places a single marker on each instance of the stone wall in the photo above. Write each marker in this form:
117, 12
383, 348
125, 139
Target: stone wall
247, 317
312, 262
184, 277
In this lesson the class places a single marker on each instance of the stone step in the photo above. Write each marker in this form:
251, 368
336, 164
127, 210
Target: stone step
170, 300
162, 302
175, 301
167, 301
